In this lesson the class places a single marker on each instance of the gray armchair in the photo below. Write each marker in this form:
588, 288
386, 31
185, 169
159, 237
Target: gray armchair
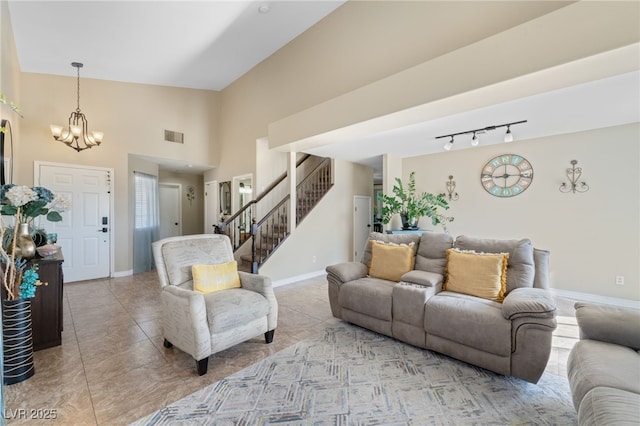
203, 324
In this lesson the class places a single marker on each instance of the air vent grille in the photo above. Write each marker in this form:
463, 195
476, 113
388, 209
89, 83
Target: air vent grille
171, 136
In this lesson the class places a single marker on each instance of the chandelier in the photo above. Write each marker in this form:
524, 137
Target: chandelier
76, 135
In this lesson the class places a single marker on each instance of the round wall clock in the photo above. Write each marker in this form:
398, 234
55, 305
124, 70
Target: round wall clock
506, 175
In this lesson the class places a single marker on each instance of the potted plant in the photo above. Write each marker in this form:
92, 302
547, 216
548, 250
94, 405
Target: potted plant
412, 206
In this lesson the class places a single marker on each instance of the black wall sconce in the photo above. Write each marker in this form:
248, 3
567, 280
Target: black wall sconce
574, 173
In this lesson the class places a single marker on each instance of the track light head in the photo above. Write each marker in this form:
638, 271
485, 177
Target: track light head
449, 144
508, 137
474, 140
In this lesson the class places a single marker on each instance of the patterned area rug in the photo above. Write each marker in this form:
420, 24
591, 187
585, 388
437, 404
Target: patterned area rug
351, 376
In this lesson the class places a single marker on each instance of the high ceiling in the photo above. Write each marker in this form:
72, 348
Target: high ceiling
193, 44
209, 44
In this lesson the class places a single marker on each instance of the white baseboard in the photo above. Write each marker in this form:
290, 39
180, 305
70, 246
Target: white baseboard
297, 278
121, 274
595, 298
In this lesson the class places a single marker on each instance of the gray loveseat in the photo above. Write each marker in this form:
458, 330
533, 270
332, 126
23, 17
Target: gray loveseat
604, 366
510, 338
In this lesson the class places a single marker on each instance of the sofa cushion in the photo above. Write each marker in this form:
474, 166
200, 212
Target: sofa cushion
425, 278
477, 274
521, 267
592, 364
432, 252
387, 238
212, 278
609, 406
470, 321
390, 261
369, 296
224, 310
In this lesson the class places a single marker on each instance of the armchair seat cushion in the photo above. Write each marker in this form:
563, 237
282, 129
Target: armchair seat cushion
470, 321
228, 308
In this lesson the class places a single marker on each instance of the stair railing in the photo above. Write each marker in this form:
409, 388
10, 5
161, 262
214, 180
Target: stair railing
238, 226
269, 233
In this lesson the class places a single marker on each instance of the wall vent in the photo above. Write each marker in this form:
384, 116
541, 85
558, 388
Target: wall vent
171, 136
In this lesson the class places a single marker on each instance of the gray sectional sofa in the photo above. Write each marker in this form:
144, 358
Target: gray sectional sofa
510, 338
604, 366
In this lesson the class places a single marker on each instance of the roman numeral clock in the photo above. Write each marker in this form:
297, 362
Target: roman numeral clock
506, 175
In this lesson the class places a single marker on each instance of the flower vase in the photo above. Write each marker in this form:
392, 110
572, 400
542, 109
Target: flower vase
25, 247
17, 342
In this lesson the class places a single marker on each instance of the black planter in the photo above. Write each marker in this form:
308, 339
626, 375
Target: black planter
17, 342
409, 224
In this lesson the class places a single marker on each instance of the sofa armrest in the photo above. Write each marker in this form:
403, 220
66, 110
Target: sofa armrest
348, 271
423, 278
528, 302
262, 284
610, 324
184, 321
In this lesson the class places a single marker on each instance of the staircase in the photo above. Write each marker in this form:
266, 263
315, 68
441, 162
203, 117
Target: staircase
257, 239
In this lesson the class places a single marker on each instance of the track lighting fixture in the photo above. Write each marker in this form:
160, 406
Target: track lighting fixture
508, 137
475, 140
449, 144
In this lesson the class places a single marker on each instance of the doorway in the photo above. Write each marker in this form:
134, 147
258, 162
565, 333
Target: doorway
211, 218
361, 224
85, 233
170, 201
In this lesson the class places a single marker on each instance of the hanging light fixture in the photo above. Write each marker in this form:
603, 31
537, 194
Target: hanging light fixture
475, 140
76, 135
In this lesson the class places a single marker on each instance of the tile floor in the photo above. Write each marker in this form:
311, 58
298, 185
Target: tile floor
112, 368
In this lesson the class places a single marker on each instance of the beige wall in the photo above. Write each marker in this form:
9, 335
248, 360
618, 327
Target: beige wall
593, 236
133, 118
192, 211
9, 71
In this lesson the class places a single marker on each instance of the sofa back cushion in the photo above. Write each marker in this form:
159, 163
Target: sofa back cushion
181, 253
432, 252
520, 267
387, 238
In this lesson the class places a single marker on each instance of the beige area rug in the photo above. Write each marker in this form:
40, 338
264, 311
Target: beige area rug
351, 376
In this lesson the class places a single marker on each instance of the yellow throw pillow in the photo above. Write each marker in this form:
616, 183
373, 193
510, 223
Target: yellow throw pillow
211, 278
390, 261
477, 274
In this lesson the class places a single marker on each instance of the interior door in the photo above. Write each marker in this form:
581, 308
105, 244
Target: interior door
170, 209
84, 233
361, 224
210, 206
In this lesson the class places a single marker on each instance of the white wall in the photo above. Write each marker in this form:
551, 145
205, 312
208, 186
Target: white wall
593, 236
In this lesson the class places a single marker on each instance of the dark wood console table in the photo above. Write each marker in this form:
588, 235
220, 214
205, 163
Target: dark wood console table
46, 306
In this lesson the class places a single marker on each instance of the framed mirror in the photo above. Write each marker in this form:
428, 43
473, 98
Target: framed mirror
225, 198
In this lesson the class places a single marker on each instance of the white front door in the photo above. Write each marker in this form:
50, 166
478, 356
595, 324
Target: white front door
170, 208
84, 233
361, 224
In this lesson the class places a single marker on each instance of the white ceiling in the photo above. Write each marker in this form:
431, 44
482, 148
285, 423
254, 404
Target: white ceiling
194, 44
209, 44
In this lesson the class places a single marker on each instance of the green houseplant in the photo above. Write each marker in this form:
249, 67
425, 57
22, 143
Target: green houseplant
412, 206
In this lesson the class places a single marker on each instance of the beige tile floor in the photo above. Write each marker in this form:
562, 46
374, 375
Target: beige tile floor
112, 368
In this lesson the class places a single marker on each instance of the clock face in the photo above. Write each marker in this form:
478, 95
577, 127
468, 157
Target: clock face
506, 175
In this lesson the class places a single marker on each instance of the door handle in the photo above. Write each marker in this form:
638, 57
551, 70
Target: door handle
103, 230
